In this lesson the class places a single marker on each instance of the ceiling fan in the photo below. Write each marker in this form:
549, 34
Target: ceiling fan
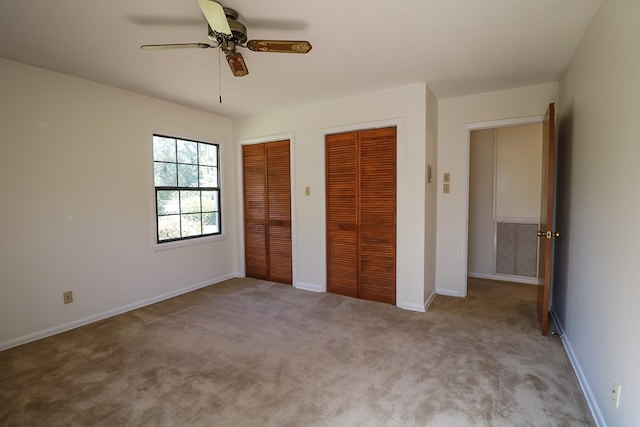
227, 33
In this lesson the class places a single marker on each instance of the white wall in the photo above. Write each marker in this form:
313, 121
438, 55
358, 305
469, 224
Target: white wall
597, 280
431, 198
77, 208
406, 107
481, 258
453, 156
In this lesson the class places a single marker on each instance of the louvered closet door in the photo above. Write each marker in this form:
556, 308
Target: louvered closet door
255, 211
279, 211
267, 211
342, 229
377, 212
361, 214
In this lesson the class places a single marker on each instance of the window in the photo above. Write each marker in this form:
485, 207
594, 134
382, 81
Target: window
186, 177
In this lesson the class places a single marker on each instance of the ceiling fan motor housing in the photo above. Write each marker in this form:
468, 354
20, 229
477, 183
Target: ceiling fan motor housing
238, 31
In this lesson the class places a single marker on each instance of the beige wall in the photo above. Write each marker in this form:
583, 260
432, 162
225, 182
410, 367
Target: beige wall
78, 211
597, 280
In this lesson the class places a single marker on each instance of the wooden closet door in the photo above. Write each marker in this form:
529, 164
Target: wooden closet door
255, 211
377, 215
279, 211
267, 211
361, 214
342, 220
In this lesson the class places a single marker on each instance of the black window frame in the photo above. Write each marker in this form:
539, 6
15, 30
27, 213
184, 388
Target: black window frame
181, 188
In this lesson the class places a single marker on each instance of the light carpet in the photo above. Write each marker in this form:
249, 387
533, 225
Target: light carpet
252, 353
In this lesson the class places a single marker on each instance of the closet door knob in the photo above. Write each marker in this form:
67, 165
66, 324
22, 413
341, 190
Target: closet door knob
548, 234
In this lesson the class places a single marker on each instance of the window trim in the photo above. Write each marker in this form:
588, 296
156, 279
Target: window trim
188, 240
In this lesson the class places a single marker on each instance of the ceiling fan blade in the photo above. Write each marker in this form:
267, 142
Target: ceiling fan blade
175, 46
215, 15
280, 46
237, 65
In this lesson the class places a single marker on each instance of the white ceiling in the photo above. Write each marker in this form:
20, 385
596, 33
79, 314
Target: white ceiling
459, 47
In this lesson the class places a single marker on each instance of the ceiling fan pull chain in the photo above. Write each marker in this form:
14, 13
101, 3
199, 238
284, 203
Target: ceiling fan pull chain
219, 78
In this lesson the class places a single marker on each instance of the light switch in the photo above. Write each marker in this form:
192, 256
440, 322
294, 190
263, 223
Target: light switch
307, 191
447, 177
446, 188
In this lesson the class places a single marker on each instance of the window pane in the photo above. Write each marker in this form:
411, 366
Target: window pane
165, 174
164, 149
167, 202
208, 154
187, 152
189, 202
210, 223
209, 201
191, 225
187, 176
168, 227
208, 176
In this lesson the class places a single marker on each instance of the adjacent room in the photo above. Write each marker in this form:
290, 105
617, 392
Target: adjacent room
319, 213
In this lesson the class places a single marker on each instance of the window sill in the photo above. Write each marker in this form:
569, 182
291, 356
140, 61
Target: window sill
159, 247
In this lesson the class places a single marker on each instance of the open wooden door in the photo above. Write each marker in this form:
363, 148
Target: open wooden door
546, 233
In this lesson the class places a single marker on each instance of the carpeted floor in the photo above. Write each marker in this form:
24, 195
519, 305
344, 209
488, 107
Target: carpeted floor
251, 353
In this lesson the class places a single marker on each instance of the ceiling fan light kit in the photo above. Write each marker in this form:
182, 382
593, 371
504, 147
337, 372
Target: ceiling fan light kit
228, 34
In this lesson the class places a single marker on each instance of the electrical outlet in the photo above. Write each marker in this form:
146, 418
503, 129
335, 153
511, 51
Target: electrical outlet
67, 297
615, 392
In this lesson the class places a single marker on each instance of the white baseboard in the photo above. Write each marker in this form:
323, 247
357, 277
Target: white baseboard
109, 313
429, 301
449, 293
582, 379
308, 287
505, 278
413, 307
417, 307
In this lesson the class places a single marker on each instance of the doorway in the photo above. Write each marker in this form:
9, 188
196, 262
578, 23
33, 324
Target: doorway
466, 151
505, 165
